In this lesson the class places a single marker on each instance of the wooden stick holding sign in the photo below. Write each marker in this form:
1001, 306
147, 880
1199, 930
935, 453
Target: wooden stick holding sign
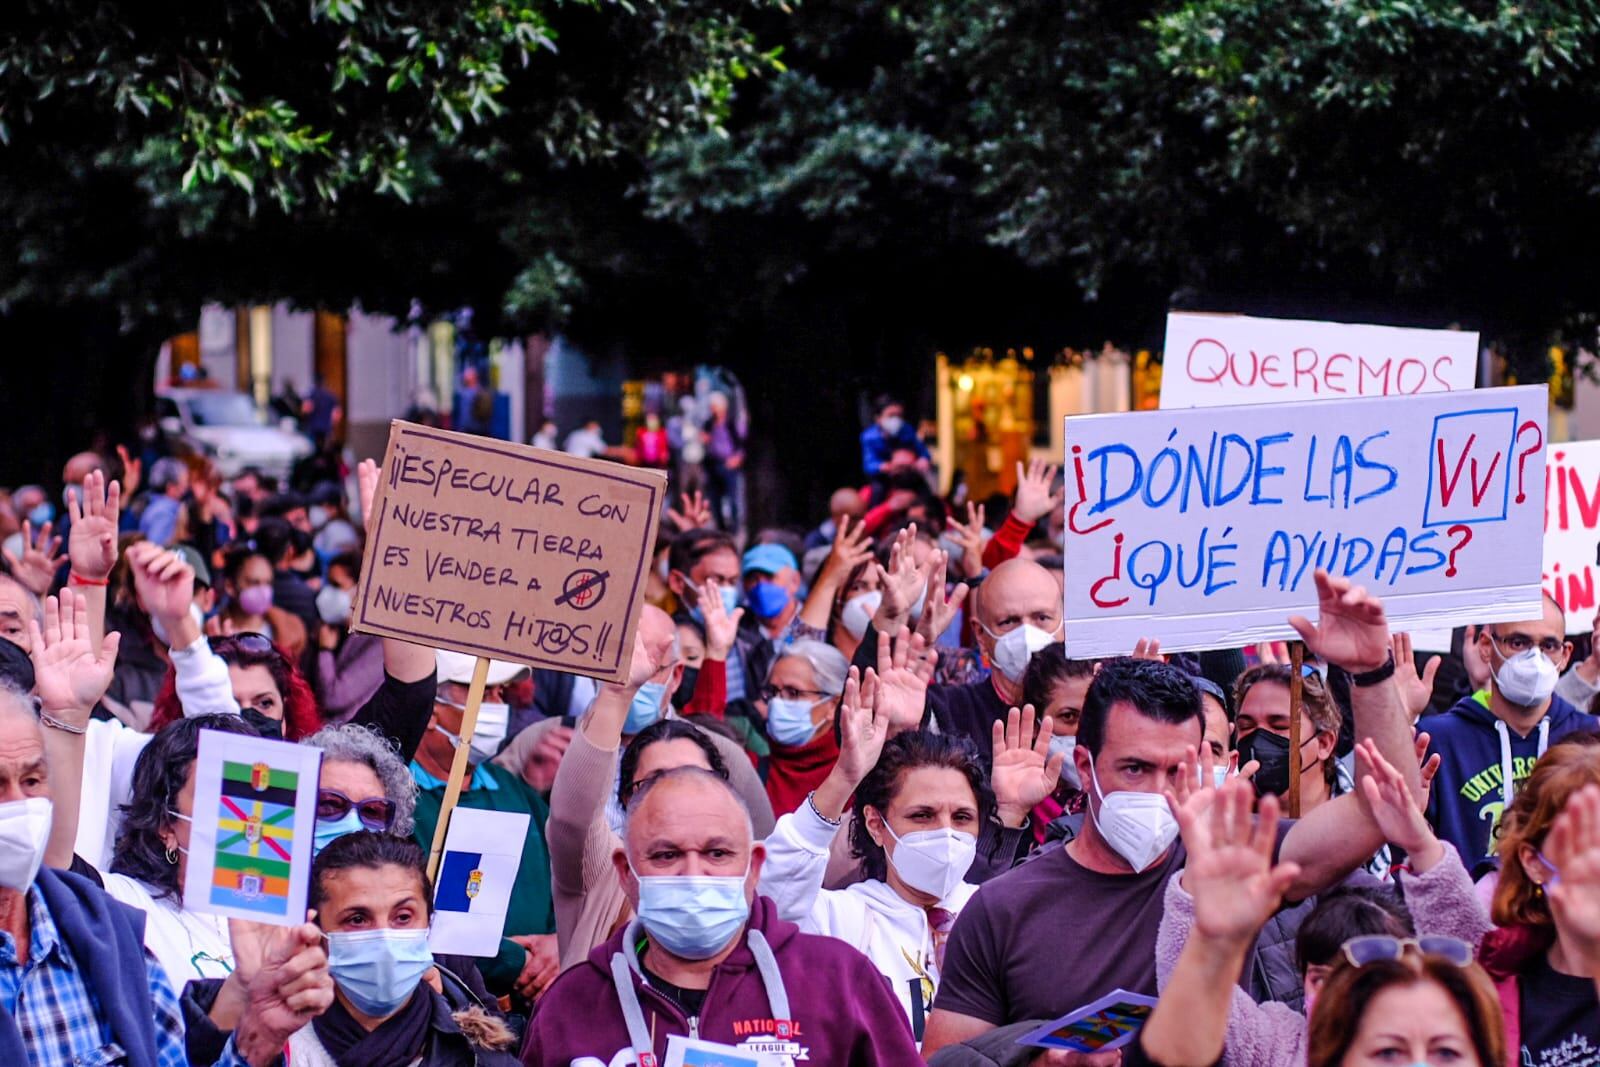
458, 765
1297, 659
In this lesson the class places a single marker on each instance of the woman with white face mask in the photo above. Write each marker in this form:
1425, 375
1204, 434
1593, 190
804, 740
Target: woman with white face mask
920, 802
802, 687
395, 1004
349, 665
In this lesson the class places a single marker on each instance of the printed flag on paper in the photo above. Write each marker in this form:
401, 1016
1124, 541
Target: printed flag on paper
254, 816
482, 853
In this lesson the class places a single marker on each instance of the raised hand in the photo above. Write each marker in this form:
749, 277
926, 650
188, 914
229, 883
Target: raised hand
367, 474
862, 729
132, 471
648, 659
69, 677
1024, 772
164, 582
851, 547
1229, 872
969, 535
695, 513
1351, 630
1034, 499
1394, 808
901, 582
92, 540
939, 607
902, 691
722, 628
1415, 690
1148, 648
41, 558
1573, 847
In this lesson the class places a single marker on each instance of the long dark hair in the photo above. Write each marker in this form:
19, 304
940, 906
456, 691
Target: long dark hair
158, 777
665, 730
907, 752
368, 850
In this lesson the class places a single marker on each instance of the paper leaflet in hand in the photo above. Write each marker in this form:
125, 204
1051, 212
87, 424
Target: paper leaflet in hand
250, 842
1108, 1023
482, 851
689, 1052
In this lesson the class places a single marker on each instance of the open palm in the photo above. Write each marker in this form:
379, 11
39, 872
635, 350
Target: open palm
1024, 772
1229, 871
1573, 846
68, 675
1351, 630
902, 691
92, 540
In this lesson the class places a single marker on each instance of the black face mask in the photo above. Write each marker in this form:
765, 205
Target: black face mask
272, 729
1272, 752
685, 691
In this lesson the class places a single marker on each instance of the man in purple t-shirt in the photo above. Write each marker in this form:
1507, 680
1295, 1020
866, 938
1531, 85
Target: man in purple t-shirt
1078, 922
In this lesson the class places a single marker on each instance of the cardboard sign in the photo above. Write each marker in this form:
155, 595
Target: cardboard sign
1213, 360
1107, 1024
505, 550
473, 892
255, 810
1204, 527
1572, 530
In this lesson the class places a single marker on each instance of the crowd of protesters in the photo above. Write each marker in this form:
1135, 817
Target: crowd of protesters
852, 805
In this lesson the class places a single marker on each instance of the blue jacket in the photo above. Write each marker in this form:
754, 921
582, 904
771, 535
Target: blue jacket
875, 447
1468, 795
106, 940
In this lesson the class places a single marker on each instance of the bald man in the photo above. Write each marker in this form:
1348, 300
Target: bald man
704, 956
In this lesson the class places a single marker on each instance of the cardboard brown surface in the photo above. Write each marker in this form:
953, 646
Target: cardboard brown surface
505, 550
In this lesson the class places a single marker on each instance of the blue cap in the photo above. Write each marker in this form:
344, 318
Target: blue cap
769, 559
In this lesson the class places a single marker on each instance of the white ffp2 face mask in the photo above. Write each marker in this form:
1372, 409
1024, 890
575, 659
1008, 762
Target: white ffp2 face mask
1139, 827
1526, 679
858, 612
1014, 648
934, 861
24, 830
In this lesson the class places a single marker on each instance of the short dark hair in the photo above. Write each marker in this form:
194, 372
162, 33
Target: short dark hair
158, 777
665, 730
906, 752
1048, 668
280, 504
692, 546
367, 849
1156, 690
884, 401
349, 562
273, 538
1346, 912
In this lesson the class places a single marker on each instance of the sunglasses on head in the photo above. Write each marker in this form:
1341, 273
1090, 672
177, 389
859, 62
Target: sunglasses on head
251, 644
375, 813
1381, 948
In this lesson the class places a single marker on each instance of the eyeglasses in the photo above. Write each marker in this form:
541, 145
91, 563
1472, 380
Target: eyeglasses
375, 813
789, 692
1516, 643
1381, 948
251, 644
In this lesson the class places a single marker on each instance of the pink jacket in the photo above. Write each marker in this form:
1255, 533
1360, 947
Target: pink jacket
1274, 1035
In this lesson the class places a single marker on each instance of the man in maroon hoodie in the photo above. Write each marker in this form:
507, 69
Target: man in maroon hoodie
705, 958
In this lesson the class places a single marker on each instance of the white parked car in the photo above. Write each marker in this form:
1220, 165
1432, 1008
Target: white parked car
228, 429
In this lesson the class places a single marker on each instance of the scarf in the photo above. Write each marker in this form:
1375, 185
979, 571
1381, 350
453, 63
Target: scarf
397, 1041
792, 772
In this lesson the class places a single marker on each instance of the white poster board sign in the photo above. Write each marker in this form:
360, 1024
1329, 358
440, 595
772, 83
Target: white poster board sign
1215, 360
1203, 527
482, 852
1572, 530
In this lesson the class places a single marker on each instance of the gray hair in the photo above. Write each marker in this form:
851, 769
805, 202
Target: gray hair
687, 772
353, 743
165, 471
828, 665
34, 602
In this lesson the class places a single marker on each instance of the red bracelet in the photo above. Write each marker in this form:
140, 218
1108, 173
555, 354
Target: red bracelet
77, 579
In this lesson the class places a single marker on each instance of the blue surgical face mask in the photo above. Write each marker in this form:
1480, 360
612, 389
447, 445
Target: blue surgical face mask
789, 721
41, 513
379, 969
692, 916
645, 708
329, 829
768, 599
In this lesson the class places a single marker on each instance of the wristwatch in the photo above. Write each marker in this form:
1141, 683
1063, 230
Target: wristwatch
1376, 675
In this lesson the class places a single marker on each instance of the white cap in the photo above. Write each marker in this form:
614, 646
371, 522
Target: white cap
457, 667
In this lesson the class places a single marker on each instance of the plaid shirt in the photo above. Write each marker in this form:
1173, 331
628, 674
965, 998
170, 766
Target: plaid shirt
57, 1014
